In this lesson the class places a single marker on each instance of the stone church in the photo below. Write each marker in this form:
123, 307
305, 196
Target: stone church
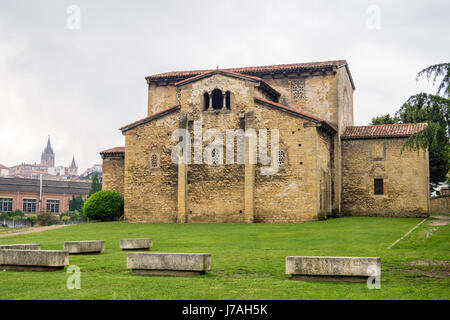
326, 165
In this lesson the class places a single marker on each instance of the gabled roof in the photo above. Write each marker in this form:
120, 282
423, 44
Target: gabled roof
295, 112
149, 118
399, 130
3, 167
264, 85
257, 71
218, 71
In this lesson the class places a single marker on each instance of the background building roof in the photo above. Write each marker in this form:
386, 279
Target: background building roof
48, 186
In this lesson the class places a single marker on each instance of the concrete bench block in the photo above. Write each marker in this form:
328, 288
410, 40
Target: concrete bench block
24, 246
85, 247
169, 264
33, 260
355, 269
136, 244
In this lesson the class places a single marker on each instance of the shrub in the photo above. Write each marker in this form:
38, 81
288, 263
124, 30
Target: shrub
32, 219
46, 219
104, 205
65, 219
11, 214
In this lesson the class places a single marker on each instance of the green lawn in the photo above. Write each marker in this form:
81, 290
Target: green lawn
247, 261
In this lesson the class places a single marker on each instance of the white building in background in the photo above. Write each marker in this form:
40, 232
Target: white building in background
4, 171
89, 173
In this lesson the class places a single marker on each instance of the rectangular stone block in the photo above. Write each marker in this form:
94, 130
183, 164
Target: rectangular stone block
24, 246
33, 260
85, 247
136, 244
332, 268
169, 264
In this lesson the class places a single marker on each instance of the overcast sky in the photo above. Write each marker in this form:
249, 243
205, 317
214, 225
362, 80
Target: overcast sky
80, 85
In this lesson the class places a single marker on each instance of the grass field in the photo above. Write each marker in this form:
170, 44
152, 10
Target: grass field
247, 261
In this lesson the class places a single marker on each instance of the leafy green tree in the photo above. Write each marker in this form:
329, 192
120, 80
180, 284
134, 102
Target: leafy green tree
432, 109
384, 119
96, 184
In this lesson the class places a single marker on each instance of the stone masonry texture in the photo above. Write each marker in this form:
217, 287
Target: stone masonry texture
322, 175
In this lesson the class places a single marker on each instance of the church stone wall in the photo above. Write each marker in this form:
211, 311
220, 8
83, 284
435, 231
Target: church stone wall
113, 173
216, 193
161, 97
151, 191
291, 195
314, 94
405, 179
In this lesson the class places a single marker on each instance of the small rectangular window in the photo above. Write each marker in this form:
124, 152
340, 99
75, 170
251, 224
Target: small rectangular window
53, 206
378, 186
29, 205
6, 204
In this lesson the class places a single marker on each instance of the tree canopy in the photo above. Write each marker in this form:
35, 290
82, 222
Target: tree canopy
432, 109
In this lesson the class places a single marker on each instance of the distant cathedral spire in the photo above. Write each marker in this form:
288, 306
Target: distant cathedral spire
48, 156
73, 169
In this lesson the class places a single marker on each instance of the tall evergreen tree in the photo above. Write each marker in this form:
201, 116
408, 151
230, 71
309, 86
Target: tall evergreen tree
96, 184
76, 203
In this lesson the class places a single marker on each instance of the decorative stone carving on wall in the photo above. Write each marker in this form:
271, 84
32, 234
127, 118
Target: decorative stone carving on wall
178, 95
298, 89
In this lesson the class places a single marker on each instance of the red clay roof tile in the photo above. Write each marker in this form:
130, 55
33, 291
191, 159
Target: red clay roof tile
113, 150
299, 113
149, 118
383, 130
257, 69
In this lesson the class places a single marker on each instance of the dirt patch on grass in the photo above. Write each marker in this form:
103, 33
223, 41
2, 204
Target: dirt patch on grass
439, 221
31, 230
432, 268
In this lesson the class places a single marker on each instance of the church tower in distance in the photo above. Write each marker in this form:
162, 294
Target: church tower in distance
73, 169
48, 156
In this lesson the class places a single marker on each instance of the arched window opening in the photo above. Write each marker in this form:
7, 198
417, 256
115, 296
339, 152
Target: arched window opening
228, 99
217, 99
206, 100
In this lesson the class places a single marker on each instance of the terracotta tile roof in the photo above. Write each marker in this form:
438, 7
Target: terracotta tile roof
149, 118
382, 131
263, 83
293, 111
113, 150
3, 167
258, 70
207, 73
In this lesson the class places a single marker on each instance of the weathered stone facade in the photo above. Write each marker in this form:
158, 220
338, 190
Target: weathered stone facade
405, 179
309, 104
113, 169
440, 204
